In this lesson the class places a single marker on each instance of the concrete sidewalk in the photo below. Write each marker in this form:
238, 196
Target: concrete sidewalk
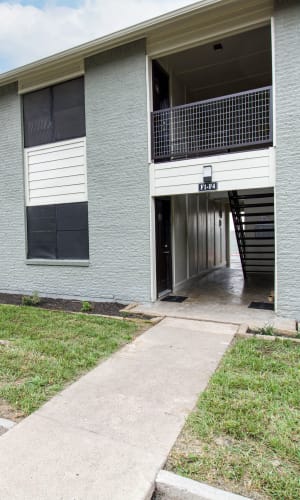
107, 435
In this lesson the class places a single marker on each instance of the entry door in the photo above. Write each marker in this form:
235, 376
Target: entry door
163, 245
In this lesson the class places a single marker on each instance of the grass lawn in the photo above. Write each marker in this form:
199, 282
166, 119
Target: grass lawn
244, 435
41, 351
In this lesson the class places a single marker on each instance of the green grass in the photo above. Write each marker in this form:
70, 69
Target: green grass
47, 349
244, 435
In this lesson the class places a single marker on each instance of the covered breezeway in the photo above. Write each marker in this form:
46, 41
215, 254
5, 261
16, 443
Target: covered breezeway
227, 286
198, 250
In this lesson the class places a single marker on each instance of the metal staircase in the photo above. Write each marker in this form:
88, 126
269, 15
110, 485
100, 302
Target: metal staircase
253, 218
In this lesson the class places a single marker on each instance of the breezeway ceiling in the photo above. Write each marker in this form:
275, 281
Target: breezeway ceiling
244, 62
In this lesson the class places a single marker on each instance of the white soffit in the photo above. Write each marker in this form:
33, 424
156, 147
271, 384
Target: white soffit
179, 29
50, 75
209, 25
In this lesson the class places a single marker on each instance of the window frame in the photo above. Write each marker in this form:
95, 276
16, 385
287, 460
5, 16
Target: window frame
31, 141
80, 227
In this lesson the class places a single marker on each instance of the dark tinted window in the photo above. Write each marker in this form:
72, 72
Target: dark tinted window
58, 231
54, 114
68, 110
38, 126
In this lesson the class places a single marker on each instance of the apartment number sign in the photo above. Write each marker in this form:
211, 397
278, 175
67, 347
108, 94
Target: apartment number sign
208, 186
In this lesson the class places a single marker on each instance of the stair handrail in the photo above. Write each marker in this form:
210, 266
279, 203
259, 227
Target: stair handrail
238, 226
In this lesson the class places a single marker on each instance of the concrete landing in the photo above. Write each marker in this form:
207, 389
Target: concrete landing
214, 311
107, 435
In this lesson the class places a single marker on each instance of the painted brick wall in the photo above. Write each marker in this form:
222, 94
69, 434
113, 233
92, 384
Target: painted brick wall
287, 68
118, 188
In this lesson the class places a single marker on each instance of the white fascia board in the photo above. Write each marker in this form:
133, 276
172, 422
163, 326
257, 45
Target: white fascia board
106, 42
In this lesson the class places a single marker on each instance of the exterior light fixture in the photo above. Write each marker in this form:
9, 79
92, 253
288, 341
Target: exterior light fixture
207, 173
218, 46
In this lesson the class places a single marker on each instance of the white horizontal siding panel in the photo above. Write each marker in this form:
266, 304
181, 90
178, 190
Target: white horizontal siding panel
218, 158
55, 200
61, 172
224, 166
170, 190
57, 190
50, 156
218, 177
226, 186
251, 169
56, 146
72, 180
57, 163
56, 173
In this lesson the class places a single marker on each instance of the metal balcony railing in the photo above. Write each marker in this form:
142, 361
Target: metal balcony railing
237, 121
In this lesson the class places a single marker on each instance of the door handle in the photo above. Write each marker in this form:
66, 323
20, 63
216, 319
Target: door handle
167, 251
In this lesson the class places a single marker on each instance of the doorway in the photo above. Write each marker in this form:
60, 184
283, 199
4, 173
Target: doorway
163, 245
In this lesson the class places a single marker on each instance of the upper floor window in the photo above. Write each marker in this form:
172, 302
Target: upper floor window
55, 113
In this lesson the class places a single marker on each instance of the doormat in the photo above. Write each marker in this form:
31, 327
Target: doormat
174, 298
262, 305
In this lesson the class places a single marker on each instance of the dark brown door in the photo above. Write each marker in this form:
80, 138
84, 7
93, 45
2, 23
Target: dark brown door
163, 245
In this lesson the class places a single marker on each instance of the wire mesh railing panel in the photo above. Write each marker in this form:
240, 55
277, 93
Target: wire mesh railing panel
220, 124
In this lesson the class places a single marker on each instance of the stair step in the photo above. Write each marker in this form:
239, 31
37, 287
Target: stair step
265, 271
258, 205
253, 196
260, 230
246, 222
259, 238
259, 253
259, 259
258, 214
259, 265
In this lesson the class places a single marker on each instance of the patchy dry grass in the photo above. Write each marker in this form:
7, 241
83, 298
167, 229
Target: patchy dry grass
42, 351
244, 435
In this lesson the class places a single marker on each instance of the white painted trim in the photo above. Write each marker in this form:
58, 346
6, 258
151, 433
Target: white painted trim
187, 236
85, 171
173, 241
149, 91
275, 252
273, 166
111, 40
54, 262
153, 251
54, 145
273, 54
153, 284
48, 81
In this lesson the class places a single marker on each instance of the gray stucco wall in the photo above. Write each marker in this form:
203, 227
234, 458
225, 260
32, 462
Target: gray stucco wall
287, 69
118, 188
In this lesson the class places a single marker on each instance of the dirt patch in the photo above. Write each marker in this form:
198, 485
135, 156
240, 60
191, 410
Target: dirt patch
107, 308
7, 411
273, 333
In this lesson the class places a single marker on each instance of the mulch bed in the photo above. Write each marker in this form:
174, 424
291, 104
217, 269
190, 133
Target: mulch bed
108, 308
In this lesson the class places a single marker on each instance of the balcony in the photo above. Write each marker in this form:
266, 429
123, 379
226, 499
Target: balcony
236, 122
